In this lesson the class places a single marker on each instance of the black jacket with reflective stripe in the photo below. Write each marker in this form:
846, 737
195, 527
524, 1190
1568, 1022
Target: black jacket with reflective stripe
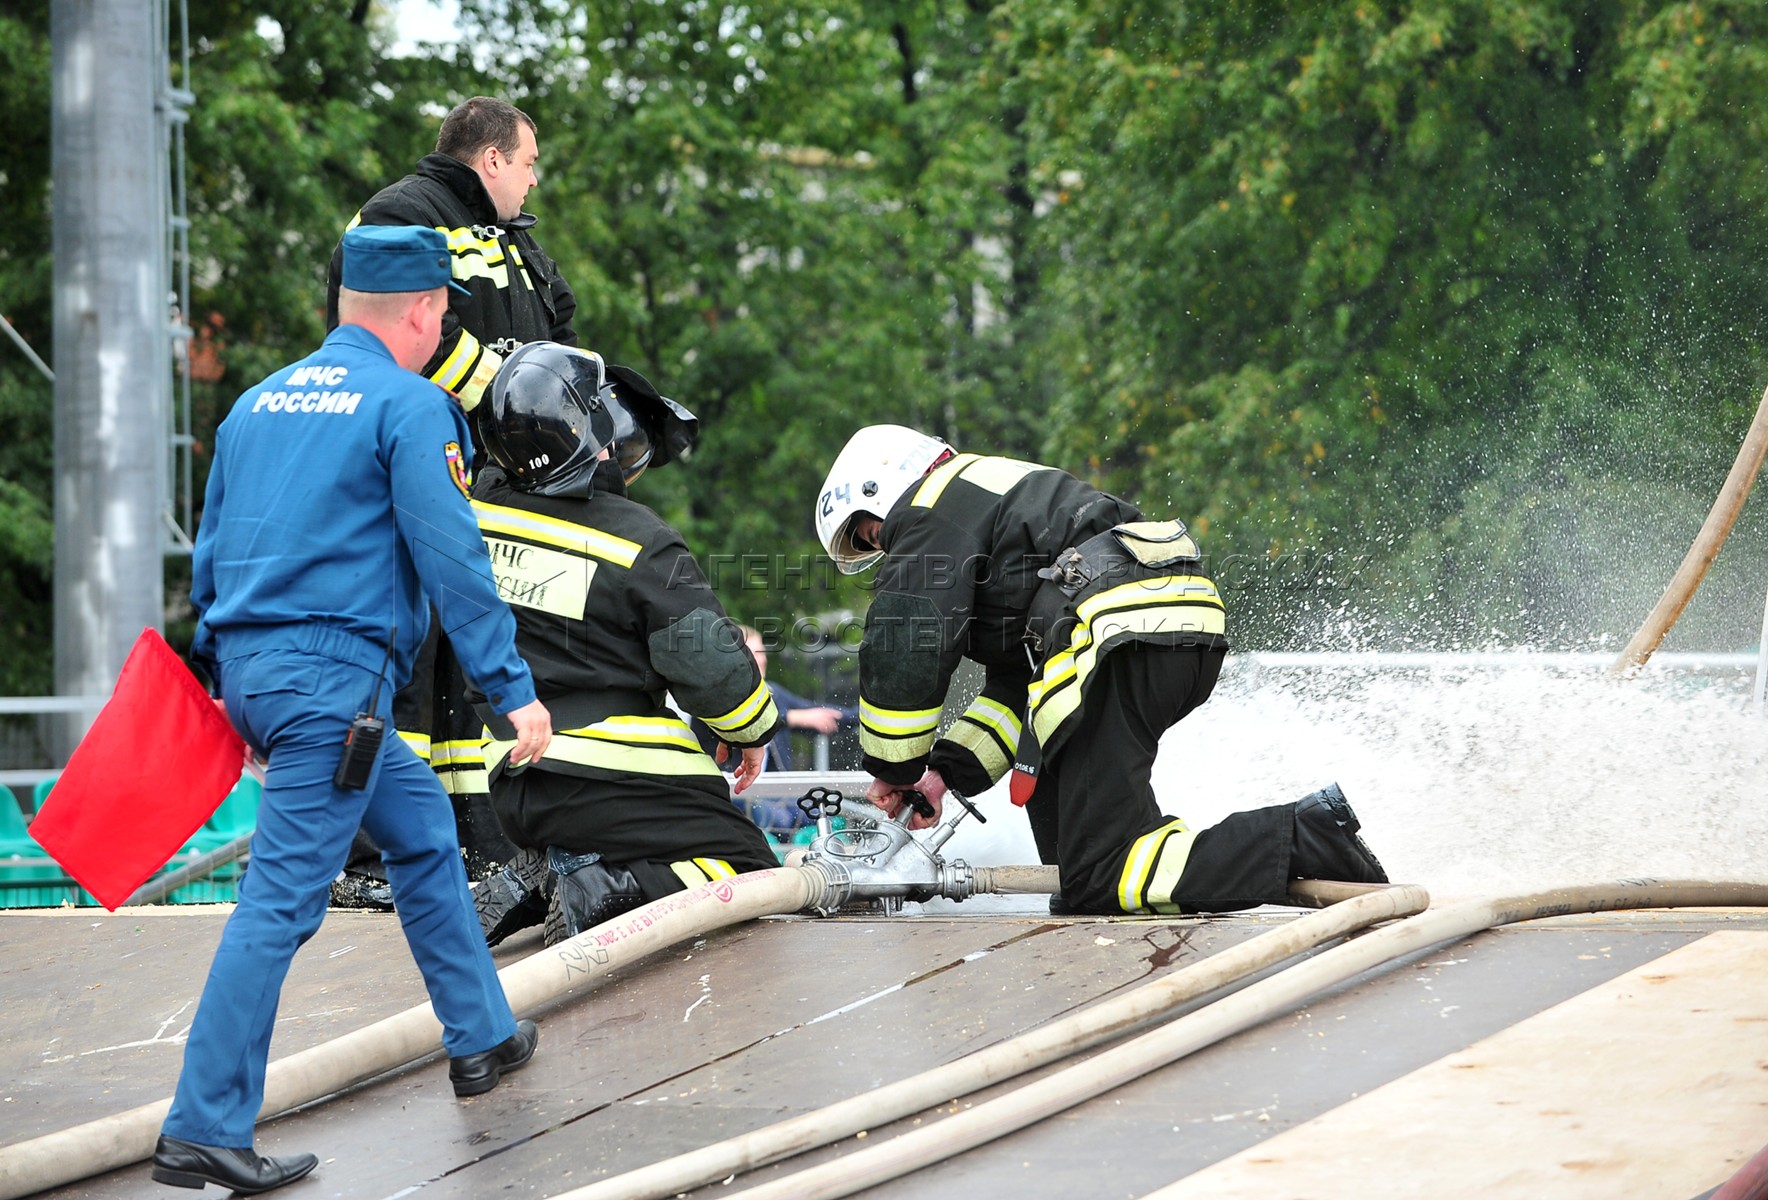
516, 289
963, 551
612, 611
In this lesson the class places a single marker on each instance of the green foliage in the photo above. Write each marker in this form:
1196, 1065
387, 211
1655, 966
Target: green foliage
1332, 281
27, 534
1437, 319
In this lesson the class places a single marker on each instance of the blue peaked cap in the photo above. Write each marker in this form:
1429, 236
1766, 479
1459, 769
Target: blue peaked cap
397, 258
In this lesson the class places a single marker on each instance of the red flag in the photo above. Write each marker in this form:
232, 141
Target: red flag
158, 760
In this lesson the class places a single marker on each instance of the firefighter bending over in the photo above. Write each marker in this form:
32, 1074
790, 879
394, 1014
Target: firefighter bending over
611, 612
1097, 631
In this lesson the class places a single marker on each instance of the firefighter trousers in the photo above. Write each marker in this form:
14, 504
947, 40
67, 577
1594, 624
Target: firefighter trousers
1094, 813
670, 832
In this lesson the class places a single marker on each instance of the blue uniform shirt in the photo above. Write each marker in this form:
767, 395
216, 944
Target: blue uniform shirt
336, 511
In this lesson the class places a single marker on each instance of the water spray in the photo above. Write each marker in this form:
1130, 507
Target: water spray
1700, 556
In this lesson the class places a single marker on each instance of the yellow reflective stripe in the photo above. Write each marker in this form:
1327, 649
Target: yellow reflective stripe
1170, 592
1175, 852
748, 720
935, 484
462, 241
1058, 669
1144, 857
990, 731
656, 731
899, 722
689, 872
473, 390
476, 257
999, 475
894, 749
641, 745
463, 782
454, 368
716, 868
613, 756
982, 744
1172, 604
419, 743
458, 754
996, 716
580, 539
896, 735
755, 730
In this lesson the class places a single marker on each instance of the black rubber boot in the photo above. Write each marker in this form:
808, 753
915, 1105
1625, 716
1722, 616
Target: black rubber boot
1326, 844
515, 897
355, 890
591, 894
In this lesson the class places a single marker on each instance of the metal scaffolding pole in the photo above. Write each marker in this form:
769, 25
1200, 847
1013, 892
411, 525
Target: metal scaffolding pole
112, 364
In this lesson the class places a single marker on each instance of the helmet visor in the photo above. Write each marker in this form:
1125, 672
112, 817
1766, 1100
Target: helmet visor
853, 554
633, 445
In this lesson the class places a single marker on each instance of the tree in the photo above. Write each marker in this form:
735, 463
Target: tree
27, 532
1407, 281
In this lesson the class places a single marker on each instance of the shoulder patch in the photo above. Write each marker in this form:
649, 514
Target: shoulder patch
458, 468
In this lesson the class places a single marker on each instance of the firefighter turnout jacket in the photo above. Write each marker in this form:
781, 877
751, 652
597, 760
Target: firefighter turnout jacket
612, 613
516, 294
961, 580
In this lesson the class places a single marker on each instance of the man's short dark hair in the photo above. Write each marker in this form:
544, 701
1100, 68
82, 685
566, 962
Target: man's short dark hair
481, 122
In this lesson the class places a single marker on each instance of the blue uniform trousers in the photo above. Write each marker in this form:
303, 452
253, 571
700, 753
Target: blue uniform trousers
297, 707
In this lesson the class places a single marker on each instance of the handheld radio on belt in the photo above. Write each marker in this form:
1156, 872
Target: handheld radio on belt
362, 744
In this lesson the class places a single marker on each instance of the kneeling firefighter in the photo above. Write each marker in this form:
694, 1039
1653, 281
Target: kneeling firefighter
1097, 631
612, 612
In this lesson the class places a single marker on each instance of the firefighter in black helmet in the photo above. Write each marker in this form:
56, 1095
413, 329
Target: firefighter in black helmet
611, 612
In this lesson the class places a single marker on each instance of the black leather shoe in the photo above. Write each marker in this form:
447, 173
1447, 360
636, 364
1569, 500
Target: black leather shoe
472, 1074
191, 1164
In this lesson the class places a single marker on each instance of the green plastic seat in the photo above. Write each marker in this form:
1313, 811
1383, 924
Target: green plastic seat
235, 817
29, 878
238, 813
13, 838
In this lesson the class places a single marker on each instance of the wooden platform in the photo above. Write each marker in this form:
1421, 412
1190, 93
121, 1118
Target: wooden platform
1614, 1056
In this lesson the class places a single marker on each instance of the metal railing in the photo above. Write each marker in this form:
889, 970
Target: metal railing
42, 706
1256, 660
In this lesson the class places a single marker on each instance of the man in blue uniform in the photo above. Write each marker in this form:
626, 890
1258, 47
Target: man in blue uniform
336, 514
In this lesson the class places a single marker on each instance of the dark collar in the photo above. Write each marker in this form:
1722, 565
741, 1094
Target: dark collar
464, 182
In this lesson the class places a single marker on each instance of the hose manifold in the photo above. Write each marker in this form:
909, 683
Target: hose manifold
837, 886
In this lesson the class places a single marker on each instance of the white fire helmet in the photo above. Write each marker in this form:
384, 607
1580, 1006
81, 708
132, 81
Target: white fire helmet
878, 464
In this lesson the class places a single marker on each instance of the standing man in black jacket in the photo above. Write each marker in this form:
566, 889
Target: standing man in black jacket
472, 189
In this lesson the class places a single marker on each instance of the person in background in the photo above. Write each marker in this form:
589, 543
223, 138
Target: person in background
612, 614
804, 716
781, 817
1097, 631
335, 515
508, 292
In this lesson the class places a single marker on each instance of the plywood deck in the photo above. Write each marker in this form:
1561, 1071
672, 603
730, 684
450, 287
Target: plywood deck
781, 1016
